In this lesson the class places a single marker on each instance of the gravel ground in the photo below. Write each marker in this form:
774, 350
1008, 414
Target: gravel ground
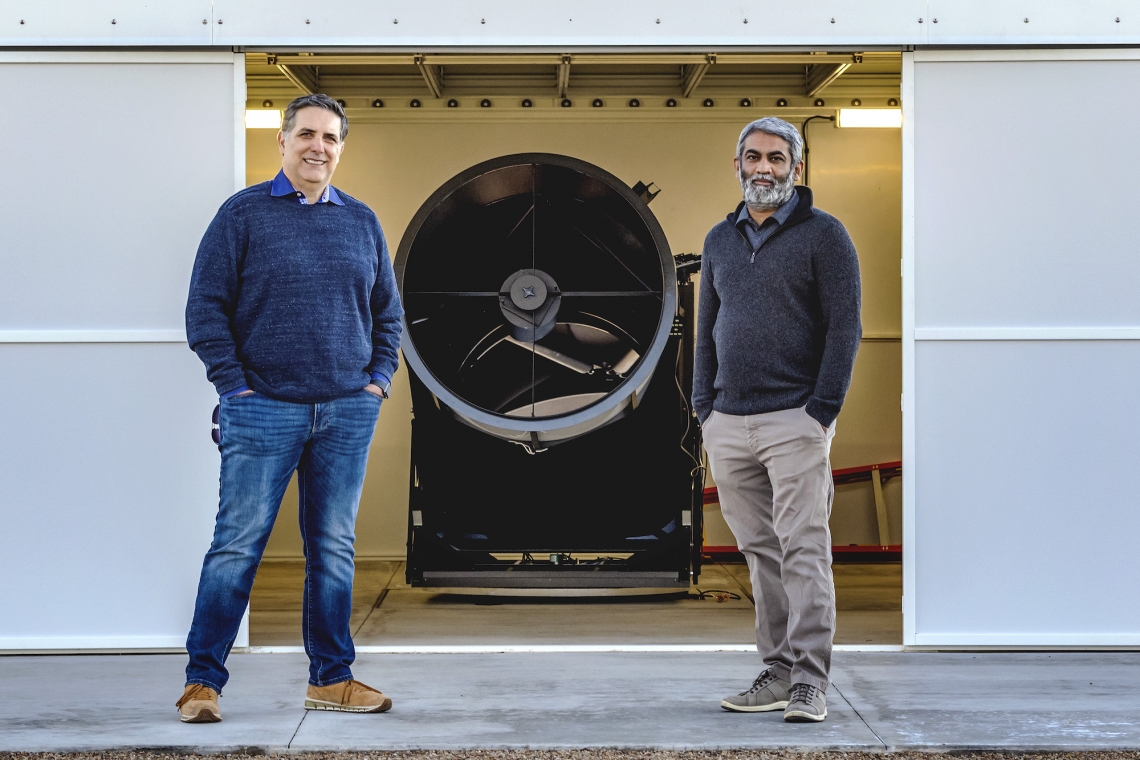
595, 754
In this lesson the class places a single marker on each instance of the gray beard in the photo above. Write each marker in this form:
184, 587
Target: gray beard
763, 198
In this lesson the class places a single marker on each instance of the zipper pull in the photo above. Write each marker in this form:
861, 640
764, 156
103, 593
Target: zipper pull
752, 259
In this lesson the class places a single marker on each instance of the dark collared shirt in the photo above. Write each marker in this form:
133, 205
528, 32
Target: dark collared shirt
758, 234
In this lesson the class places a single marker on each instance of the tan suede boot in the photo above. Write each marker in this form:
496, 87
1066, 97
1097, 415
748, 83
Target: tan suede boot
347, 696
199, 704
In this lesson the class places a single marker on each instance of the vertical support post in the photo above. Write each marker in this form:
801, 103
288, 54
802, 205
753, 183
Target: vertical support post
239, 121
242, 639
880, 508
910, 466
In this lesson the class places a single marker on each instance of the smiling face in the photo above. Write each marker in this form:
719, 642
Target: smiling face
765, 170
311, 151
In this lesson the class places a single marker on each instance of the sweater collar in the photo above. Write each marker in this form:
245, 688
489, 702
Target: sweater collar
802, 209
779, 216
281, 186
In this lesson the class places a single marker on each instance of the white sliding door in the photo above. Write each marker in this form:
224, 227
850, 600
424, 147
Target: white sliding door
108, 478
1022, 348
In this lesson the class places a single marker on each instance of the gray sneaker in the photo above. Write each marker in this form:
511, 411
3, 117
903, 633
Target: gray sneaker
807, 704
767, 693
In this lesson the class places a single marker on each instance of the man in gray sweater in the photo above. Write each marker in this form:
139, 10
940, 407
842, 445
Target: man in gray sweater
777, 332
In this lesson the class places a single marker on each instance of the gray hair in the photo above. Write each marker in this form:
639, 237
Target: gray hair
314, 101
777, 127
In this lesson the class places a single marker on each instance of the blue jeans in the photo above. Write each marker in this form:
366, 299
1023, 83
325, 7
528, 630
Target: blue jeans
263, 442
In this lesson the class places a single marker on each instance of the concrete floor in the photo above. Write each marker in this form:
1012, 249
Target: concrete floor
386, 611
878, 701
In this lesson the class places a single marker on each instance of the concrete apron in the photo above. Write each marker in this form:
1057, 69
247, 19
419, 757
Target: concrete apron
567, 700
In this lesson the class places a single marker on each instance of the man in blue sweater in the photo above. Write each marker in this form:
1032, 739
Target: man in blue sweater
777, 331
293, 309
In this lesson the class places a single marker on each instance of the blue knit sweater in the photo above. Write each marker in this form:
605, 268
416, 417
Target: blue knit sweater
778, 329
298, 302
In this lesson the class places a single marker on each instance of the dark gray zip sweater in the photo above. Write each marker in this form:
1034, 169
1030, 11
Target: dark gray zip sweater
780, 329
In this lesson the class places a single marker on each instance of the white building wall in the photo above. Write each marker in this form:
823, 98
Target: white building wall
109, 475
1021, 348
575, 23
1020, 338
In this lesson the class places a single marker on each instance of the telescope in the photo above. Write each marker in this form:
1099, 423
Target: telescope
548, 336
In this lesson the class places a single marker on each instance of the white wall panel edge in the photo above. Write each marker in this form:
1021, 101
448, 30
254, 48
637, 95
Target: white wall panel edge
54, 643
1026, 333
1027, 54
115, 56
908, 381
242, 638
1027, 640
238, 60
92, 336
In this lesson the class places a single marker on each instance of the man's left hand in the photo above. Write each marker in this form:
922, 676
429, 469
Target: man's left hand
374, 390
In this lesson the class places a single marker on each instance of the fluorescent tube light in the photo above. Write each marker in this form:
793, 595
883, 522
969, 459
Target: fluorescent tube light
883, 118
256, 118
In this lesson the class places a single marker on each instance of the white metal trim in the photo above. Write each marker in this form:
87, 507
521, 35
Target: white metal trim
113, 643
908, 383
238, 60
92, 336
1031, 54
1028, 640
242, 638
1026, 333
112, 56
564, 648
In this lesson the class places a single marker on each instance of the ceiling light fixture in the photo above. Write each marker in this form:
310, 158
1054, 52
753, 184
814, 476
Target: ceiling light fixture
258, 118
881, 118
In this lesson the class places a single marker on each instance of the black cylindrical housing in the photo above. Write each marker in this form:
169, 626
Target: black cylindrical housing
539, 291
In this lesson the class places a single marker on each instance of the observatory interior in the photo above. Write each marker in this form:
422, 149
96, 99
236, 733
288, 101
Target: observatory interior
420, 123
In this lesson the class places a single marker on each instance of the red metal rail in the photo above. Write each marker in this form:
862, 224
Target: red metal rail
843, 476
887, 470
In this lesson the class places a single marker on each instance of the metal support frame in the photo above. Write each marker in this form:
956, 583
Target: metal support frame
692, 74
431, 75
303, 77
824, 68
822, 75
563, 76
555, 59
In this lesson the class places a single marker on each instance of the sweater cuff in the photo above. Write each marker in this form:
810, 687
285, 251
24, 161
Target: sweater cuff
235, 391
821, 411
232, 382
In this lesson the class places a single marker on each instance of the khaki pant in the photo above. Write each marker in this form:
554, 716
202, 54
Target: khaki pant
774, 478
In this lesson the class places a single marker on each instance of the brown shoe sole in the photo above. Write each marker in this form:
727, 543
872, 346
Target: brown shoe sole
204, 715
320, 704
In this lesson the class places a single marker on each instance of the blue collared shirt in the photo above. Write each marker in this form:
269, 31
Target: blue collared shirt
758, 234
281, 186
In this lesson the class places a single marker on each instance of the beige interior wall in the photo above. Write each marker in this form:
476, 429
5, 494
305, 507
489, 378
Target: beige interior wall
394, 165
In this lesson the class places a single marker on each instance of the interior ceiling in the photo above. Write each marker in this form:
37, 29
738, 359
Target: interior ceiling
799, 78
